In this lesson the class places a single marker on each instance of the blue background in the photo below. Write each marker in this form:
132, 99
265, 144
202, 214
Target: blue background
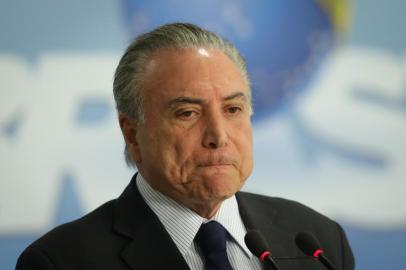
340, 150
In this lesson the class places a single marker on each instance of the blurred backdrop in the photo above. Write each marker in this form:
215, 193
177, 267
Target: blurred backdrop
329, 87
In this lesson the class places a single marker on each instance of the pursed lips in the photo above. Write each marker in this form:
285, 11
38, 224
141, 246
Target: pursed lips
221, 163
214, 165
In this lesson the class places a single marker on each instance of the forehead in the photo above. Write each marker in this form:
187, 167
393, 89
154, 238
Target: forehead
196, 72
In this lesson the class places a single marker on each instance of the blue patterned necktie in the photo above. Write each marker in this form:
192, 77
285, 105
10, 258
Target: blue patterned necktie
211, 239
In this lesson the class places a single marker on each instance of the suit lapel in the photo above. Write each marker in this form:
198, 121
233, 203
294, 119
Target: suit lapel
265, 220
149, 245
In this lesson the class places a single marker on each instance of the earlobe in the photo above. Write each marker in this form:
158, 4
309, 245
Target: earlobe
129, 129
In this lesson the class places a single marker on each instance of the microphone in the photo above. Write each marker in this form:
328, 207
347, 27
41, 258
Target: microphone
258, 246
310, 246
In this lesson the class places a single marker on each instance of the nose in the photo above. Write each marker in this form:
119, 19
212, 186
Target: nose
215, 131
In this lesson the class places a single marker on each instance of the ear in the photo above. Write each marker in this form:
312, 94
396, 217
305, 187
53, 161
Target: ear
128, 127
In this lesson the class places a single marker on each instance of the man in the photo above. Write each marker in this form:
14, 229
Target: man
184, 105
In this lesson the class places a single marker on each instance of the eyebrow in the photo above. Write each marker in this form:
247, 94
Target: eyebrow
199, 101
236, 95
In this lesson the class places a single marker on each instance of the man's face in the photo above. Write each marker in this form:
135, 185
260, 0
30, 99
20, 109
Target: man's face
195, 144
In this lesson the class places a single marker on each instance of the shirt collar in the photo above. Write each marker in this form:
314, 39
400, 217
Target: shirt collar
183, 224
229, 216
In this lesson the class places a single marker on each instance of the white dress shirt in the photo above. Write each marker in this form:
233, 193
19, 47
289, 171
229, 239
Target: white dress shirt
182, 225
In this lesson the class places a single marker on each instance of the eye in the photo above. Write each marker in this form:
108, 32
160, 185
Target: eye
186, 115
234, 109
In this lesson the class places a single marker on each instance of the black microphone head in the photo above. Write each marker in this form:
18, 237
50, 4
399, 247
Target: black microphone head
256, 243
307, 243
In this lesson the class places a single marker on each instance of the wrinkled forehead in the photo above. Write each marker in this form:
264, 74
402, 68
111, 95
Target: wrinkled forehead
189, 70
203, 51
186, 68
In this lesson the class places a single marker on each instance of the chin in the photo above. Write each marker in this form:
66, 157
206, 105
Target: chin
221, 186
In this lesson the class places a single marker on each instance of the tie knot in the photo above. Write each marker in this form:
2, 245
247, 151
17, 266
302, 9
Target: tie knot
212, 237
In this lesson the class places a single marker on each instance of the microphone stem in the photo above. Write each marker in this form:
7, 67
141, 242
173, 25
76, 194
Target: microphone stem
271, 263
326, 262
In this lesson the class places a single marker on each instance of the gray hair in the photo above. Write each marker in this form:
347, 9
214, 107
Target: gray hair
128, 77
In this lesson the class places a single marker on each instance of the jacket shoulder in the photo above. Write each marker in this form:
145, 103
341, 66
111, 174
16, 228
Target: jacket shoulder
281, 208
91, 224
86, 238
289, 217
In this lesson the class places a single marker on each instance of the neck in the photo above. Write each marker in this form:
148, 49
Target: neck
205, 210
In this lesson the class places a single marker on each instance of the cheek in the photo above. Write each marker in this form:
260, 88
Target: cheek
176, 151
243, 142
187, 147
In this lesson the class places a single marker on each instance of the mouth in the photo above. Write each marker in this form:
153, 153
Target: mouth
218, 162
209, 163
216, 165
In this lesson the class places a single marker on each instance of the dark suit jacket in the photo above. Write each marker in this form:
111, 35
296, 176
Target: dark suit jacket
126, 234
